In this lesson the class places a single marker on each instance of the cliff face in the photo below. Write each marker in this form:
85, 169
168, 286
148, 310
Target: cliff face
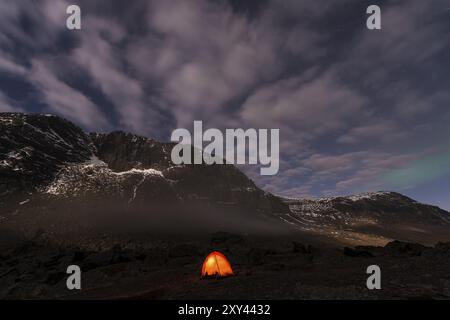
49, 166
34, 147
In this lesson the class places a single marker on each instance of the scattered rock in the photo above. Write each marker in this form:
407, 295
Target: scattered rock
277, 266
443, 248
121, 255
10, 240
98, 259
298, 247
79, 256
184, 250
156, 257
225, 238
405, 248
55, 277
351, 292
356, 252
256, 256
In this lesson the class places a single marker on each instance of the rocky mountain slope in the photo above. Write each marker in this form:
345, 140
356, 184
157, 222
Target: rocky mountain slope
56, 178
54, 172
382, 216
34, 147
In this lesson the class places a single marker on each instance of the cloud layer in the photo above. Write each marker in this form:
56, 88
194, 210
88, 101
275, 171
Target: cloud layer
357, 109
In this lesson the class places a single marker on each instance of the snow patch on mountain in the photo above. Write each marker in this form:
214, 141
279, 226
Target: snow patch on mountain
24, 202
144, 172
94, 161
83, 178
369, 195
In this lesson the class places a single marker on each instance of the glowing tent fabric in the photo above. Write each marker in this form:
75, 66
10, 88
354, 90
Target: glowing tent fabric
216, 265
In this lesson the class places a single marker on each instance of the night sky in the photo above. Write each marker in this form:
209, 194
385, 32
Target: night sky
358, 110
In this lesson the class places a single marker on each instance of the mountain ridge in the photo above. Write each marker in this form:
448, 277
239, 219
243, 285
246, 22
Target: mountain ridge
49, 165
388, 215
53, 169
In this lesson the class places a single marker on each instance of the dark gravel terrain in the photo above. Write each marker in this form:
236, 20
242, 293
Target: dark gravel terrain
265, 268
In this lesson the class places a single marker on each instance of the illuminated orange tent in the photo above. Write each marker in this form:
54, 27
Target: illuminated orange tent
216, 265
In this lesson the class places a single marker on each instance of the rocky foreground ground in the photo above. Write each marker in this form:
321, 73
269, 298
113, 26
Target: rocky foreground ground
265, 268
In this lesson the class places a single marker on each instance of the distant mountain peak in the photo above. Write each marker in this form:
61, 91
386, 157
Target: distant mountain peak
390, 215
